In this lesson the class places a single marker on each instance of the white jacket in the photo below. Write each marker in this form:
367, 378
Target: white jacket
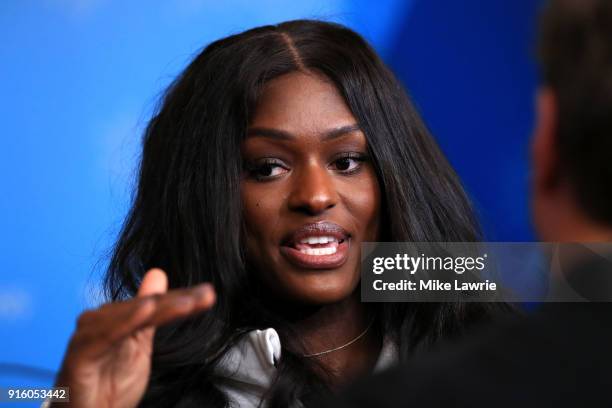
249, 367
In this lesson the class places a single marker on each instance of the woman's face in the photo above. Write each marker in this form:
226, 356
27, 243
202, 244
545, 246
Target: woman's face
309, 191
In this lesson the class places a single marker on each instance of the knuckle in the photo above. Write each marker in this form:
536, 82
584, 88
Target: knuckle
106, 306
155, 298
86, 318
79, 341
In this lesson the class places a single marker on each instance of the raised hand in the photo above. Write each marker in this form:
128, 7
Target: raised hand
108, 360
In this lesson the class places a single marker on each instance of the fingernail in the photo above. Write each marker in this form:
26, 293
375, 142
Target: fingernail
203, 291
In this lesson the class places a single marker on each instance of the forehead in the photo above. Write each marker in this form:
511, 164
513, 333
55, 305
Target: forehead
301, 103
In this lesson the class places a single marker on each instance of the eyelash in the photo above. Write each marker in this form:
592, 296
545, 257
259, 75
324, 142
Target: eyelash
357, 157
254, 168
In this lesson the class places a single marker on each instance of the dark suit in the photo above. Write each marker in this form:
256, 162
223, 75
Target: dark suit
559, 356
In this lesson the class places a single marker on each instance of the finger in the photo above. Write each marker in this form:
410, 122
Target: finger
102, 333
183, 304
155, 281
108, 315
116, 321
99, 330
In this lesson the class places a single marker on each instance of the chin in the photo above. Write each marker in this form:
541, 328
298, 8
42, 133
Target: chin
321, 289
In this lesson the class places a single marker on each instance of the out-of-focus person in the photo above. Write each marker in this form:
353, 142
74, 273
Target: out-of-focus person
561, 355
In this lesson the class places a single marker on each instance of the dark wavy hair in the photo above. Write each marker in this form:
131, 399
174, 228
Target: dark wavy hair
186, 217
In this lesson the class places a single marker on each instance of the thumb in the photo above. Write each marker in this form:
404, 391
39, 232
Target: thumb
154, 282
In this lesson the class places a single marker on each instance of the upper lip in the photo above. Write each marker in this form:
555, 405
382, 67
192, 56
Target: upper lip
316, 229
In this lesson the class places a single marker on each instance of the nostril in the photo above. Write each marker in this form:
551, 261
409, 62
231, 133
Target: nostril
312, 205
313, 190
317, 208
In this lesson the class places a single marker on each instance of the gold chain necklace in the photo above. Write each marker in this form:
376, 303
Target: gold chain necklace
320, 353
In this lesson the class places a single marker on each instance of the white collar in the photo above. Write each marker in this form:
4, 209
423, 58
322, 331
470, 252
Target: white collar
248, 368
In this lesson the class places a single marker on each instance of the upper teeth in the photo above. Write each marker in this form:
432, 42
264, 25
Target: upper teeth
318, 240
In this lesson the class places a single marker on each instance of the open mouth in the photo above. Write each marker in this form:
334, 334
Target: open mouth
322, 245
317, 246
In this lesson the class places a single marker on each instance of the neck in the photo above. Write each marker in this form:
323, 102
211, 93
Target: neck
576, 227
588, 232
327, 327
560, 219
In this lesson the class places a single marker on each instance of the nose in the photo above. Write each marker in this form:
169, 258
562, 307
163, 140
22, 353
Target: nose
313, 191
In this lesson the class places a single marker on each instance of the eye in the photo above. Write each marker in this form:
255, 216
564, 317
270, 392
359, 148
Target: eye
349, 162
267, 169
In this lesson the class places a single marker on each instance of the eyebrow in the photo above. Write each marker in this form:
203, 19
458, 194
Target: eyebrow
282, 135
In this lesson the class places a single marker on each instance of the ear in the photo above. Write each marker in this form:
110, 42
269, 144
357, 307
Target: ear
544, 149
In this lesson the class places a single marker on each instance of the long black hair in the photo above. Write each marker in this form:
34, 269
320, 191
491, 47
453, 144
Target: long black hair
186, 216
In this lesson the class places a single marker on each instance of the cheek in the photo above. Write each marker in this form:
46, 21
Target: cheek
363, 202
261, 211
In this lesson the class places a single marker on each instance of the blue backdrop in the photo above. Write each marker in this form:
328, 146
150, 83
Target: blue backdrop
79, 79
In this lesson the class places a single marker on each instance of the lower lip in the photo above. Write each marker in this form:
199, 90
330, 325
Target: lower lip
303, 260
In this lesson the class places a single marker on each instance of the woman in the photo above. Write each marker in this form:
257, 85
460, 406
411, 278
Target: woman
273, 156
